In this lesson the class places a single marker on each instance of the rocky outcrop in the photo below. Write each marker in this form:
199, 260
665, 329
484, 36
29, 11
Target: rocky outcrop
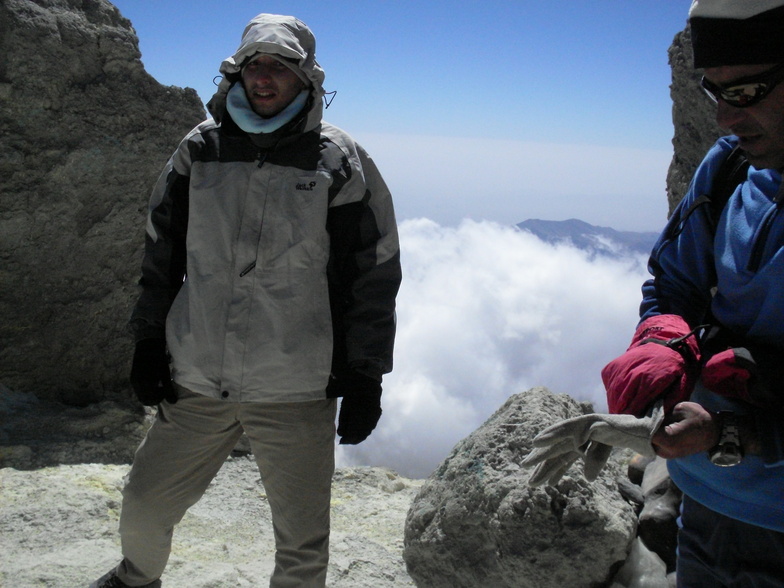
476, 522
38, 433
693, 116
84, 131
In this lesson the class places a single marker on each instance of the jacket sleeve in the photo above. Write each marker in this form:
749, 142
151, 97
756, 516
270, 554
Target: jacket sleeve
682, 262
163, 266
364, 268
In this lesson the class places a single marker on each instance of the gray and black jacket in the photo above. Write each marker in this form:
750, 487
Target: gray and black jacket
271, 261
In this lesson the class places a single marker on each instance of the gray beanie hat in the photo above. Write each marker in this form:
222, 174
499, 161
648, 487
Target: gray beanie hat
737, 32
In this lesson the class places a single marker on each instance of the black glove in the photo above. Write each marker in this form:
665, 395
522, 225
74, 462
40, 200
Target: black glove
150, 375
360, 408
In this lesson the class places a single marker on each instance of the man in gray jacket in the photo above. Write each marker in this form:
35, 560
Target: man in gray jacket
268, 289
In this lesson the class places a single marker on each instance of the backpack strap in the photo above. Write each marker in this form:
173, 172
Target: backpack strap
732, 172
730, 175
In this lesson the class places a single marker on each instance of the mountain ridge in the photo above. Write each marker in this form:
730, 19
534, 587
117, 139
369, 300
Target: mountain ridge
604, 241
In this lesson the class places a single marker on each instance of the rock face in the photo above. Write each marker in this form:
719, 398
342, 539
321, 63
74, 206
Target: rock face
476, 522
693, 116
84, 131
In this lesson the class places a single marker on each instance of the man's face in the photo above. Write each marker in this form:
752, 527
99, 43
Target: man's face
269, 85
760, 127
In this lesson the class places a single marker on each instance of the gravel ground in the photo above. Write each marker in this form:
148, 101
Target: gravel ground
58, 528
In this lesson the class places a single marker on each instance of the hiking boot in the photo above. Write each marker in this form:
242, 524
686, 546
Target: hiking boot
110, 580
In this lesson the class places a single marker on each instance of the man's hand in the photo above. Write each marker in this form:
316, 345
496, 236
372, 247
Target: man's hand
360, 408
150, 375
689, 429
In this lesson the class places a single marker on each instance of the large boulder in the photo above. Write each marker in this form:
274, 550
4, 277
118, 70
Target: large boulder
84, 132
477, 523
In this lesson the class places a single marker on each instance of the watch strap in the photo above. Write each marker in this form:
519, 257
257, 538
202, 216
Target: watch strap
728, 451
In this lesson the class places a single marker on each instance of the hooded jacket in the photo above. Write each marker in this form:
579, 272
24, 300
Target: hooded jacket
271, 260
735, 275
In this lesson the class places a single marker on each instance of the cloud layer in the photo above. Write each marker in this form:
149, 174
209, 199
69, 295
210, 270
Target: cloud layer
484, 312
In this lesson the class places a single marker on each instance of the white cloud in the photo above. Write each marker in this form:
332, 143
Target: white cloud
485, 312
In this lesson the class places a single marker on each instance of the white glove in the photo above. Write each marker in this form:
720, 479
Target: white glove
592, 437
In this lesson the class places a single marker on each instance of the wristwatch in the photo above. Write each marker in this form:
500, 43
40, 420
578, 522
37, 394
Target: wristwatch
728, 452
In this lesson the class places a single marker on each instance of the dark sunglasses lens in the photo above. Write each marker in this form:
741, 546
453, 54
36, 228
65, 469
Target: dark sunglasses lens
745, 94
739, 96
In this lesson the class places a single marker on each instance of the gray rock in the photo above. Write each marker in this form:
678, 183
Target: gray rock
693, 117
631, 492
476, 523
84, 132
642, 569
637, 466
36, 433
658, 526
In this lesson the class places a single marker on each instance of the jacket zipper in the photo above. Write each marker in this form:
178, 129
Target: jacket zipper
262, 159
247, 270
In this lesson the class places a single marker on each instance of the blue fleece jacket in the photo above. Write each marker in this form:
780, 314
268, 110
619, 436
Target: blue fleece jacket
745, 263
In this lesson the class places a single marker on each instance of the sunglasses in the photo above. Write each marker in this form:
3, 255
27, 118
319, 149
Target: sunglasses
745, 91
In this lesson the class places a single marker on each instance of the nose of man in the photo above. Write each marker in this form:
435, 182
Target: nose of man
727, 116
260, 74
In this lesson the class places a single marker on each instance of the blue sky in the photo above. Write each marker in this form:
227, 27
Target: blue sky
497, 110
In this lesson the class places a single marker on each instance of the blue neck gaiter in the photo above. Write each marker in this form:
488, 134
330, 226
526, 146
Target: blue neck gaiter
246, 118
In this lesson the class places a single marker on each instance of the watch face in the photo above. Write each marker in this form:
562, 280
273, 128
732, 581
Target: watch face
726, 455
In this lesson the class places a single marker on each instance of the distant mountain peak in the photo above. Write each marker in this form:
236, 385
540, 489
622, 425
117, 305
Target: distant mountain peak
603, 241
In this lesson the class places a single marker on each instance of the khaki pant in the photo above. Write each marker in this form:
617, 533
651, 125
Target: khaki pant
293, 444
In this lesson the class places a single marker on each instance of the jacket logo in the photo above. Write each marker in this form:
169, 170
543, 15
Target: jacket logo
307, 187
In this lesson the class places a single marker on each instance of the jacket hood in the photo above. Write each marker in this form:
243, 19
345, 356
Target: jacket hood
283, 36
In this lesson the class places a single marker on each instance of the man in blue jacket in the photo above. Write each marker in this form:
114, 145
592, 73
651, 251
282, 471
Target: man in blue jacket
722, 386
269, 278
